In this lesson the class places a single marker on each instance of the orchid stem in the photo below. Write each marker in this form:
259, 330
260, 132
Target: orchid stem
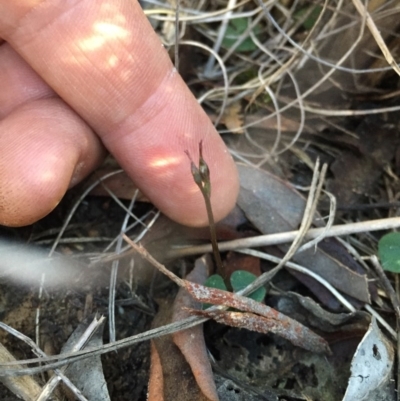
201, 176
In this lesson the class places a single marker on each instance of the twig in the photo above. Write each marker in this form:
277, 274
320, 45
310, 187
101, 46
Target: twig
143, 252
176, 50
80, 343
114, 272
282, 238
386, 285
40, 353
380, 319
394, 299
304, 270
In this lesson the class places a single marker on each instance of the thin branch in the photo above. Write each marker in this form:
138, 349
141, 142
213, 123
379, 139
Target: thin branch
282, 238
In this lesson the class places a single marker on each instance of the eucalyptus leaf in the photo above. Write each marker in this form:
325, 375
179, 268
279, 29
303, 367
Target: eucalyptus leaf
273, 206
389, 252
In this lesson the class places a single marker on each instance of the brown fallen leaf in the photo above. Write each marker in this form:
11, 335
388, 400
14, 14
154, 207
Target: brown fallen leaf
156, 379
272, 321
336, 326
280, 324
120, 184
260, 324
273, 206
237, 261
171, 377
191, 341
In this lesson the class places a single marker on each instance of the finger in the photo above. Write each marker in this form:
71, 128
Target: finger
19, 83
104, 59
45, 146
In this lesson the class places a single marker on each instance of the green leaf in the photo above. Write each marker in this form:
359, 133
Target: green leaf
214, 281
241, 279
389, 252
311, 18
235, 29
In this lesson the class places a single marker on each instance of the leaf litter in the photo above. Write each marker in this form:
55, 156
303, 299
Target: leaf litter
307, 86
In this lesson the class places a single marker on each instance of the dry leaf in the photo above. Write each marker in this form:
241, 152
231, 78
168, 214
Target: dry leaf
274, 322
191, 341
237, 261
87, 374
372, 368
233, 118
156, 380
177, 380
120, 184
273, 206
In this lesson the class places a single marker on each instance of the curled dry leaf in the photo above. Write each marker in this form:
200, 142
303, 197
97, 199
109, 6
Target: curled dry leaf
310, 313
271, 321
372, 368
191, 341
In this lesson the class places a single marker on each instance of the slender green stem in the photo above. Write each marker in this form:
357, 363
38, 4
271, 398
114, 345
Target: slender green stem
201, 176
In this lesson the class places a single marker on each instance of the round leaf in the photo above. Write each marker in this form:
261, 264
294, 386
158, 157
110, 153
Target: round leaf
241, 279
389, 252
235, 29
214, 281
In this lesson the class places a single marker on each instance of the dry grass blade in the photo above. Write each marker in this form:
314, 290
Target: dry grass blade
8, 369
84, 339
311, 205
376, 34
40, 353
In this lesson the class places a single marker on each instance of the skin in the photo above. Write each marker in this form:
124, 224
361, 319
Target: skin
79, 77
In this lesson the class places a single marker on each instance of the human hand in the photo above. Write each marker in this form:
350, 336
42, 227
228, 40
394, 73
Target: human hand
78, 76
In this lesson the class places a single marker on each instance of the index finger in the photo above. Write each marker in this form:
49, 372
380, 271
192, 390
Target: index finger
104, 59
